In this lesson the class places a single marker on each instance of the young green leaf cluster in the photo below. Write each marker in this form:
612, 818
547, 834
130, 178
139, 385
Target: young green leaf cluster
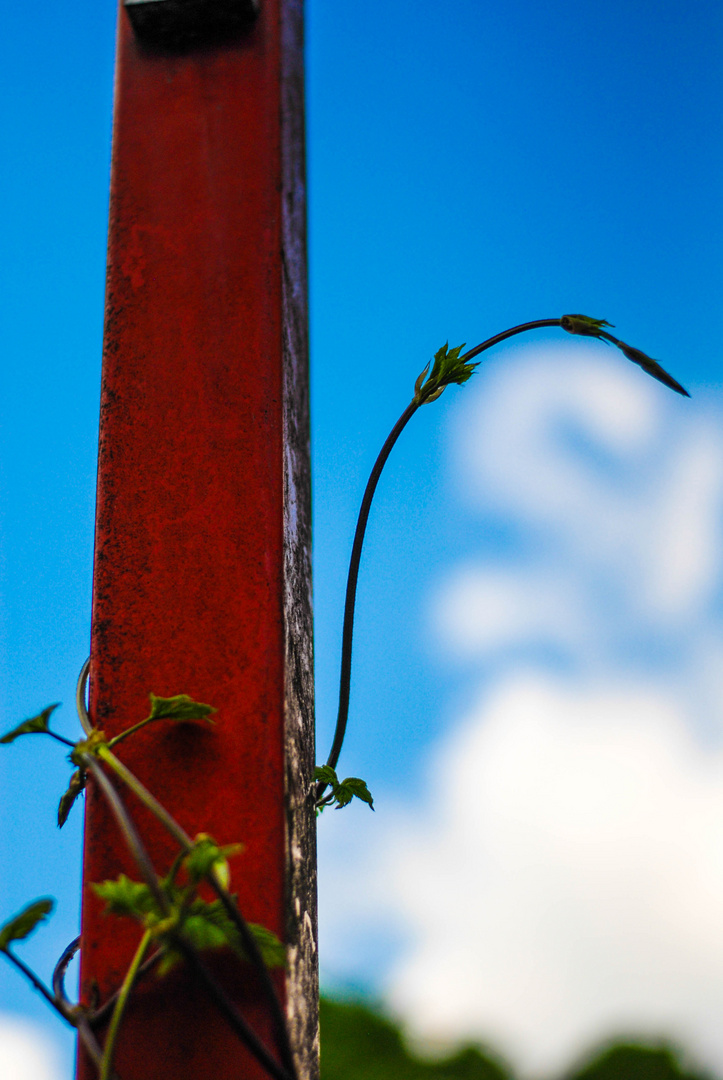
342, 791
179, 708
449, 367
180, 922
204, 924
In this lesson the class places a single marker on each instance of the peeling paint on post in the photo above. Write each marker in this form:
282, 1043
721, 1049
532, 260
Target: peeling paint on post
202, 579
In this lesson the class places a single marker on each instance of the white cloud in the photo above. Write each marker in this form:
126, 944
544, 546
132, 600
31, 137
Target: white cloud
567, 879
617, 486
25, 1052
483, 609
591, 454
564, 880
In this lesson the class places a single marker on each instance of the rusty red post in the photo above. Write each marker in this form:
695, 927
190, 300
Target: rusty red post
202, 560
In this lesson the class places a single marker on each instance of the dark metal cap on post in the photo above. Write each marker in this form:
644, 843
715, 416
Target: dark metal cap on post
181, 23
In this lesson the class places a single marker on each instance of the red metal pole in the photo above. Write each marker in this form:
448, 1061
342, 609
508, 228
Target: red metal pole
202, 574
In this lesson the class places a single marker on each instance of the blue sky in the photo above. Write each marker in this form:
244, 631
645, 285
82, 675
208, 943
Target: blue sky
470, 167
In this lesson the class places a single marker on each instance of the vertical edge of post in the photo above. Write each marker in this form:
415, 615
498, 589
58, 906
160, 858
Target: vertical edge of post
303, 972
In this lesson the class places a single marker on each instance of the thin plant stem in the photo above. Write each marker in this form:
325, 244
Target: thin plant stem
144, 795
356, 551
80, 698
225, 1006
128, 829
253, 952
178, 833
249, 941
536, 324
75, 1019
37, 983
137, 850
101, 1013
96, 1016
58, 982
60, 738
89, 1041
129, 731
120, 1005
351, 586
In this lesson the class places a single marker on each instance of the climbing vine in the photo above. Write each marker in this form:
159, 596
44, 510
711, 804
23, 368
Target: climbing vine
178, 922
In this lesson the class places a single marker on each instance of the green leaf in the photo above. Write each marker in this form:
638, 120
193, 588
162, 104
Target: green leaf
171, 958
126, 897
342, 796
204, 928
37, 725
206, 855
76, 785
355, 788
180, 707
439, 358
23, 924
342, 792
273, 951
420, 379
208, 926
326, 774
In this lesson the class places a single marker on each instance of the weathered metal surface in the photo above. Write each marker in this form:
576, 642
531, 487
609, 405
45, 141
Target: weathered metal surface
202, 564
188, 23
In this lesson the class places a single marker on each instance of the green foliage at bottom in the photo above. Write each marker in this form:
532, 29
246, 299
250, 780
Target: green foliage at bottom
359, 1043
637, 1061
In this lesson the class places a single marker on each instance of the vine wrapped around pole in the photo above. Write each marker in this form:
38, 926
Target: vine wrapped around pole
450, 366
